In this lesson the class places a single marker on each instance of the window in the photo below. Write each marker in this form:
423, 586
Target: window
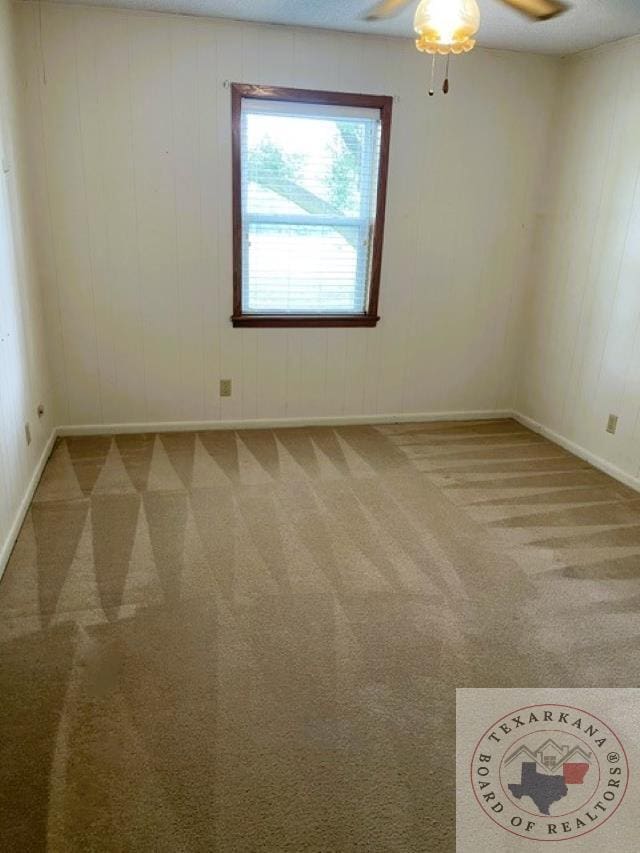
309, 189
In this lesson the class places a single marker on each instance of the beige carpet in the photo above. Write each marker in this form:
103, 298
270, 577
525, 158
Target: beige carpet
250, 641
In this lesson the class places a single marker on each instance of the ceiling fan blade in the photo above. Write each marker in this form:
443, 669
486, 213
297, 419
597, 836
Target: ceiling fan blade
539, 10
386, 9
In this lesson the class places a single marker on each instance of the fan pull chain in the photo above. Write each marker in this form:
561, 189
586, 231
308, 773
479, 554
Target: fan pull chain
433, 72
445, 85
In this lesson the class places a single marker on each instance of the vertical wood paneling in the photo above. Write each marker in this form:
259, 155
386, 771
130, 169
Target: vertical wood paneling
136, 128
123, 303
583, 355
153, 146
211, 199
42, 252
24, 375
229, 69
193, 293
97, 212
66, 190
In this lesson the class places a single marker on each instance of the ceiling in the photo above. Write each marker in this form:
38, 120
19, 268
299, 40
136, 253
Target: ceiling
587, 24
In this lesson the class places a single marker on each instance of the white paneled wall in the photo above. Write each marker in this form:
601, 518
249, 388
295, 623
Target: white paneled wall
24, 381
129, 128
582, 361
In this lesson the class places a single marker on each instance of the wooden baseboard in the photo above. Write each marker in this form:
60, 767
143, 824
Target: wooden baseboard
276, 423
581, 452
10, 541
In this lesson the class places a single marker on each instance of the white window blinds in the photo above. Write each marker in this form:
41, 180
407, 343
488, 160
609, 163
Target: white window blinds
309, 184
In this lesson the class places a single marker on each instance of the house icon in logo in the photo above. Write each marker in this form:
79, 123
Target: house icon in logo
550, 754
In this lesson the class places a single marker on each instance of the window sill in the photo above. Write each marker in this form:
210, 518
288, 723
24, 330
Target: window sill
297, 321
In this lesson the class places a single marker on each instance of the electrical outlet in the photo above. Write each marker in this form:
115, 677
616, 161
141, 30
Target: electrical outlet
225, 387
27, 433
612, 424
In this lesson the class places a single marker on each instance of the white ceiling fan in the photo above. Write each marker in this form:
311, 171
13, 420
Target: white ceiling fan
449, 26
539, 10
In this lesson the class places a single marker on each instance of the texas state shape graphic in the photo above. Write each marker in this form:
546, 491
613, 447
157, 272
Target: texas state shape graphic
545, 790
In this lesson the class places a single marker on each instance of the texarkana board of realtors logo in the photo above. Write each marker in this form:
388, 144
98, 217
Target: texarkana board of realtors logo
549, 772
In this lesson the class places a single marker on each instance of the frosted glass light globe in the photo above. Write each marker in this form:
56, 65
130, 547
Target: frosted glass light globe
446, 26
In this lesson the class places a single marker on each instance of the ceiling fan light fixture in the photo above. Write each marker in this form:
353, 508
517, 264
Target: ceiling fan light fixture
446, 26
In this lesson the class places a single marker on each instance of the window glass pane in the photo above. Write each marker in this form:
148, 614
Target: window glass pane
302, 269
309, 182
297, 164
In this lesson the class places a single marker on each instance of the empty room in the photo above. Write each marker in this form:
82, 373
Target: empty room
319, 426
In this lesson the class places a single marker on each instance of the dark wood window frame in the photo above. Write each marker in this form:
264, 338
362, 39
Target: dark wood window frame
384, 103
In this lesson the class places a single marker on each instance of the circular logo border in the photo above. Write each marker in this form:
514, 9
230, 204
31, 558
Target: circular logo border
549, 705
